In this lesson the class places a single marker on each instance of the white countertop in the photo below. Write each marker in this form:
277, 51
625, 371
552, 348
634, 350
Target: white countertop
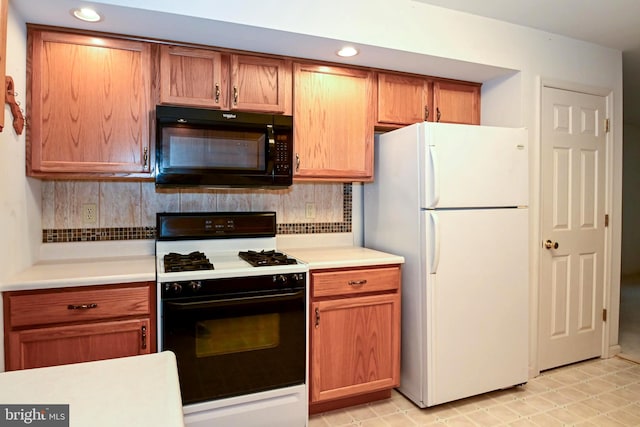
81, 272
129, 391
91, 264
342, 257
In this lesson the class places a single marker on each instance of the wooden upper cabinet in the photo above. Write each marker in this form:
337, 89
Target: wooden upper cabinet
89, 105
333, 122
403, 99
456, 102
260, 84
213, 79
192, 77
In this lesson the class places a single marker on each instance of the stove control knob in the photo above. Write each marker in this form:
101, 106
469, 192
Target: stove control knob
195, 285
175, 288
281, 279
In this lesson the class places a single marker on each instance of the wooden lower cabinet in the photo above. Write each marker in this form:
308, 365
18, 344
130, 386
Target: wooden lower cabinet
355, 336
80, 324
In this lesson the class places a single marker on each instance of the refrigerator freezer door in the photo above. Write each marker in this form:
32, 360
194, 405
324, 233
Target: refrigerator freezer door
476, 302
473, 166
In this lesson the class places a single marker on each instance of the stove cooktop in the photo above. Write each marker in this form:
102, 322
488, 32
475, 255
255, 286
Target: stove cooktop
203, 245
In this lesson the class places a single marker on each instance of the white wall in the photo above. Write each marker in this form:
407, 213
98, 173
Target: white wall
20, 231
631, 207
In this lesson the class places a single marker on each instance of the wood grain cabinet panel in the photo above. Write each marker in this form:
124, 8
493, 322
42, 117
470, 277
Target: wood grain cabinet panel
50, 346
78, 324
261, 84
355, 346
334, 122
194, 77
403, 99
456, 102
358, 281
89, 106
355, 336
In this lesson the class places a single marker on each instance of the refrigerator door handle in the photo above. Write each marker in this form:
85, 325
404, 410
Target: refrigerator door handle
434, 177
435, 232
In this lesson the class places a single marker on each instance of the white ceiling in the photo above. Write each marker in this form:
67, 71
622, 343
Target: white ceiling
611, 23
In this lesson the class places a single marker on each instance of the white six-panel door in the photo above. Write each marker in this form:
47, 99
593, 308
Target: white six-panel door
573, 219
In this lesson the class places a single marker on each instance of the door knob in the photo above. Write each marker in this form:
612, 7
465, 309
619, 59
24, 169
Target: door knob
549, 244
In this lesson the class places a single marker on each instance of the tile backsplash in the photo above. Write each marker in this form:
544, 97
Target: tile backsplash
127, 210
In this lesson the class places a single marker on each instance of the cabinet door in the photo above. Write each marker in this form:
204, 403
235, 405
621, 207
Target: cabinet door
402, 99
192, 77
90, 106
355, 346
456, 102
34, 348
260, 84
333, 123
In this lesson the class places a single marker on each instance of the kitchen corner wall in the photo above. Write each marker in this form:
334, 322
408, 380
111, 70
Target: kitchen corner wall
127, 210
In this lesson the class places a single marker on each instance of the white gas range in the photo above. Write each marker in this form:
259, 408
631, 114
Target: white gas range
234, 311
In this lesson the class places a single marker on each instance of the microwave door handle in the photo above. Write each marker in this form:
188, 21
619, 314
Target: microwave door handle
272, 150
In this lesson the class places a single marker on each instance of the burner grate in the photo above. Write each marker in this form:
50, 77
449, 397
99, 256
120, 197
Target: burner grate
266, 258
175, 262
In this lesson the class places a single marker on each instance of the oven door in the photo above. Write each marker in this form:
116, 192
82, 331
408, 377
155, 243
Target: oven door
233, 345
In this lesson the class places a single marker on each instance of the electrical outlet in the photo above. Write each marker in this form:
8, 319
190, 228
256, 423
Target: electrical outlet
89, 213
310, 210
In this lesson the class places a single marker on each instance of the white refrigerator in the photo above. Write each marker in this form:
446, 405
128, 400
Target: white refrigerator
453, 200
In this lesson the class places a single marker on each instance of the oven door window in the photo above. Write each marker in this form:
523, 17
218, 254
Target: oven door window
235, 346
192, 148
237, 335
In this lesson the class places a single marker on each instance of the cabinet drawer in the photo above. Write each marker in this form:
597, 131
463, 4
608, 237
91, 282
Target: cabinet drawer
356, 281
75, 305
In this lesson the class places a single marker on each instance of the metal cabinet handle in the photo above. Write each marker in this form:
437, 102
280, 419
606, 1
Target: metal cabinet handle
145, 157
143, 333
357, 282
549, 244
426, 113
438, 114
81, 306
217, 92
297, 162
235, 95
317, 317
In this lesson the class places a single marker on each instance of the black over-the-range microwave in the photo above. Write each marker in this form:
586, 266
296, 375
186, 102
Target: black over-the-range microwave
214, 148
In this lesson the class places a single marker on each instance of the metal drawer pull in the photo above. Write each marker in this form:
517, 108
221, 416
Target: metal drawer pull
81, 306
357, 282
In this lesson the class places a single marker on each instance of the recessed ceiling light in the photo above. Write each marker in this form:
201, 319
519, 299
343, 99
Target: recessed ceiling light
347, 51
86, 14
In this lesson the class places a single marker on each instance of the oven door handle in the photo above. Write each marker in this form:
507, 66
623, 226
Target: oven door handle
232, 301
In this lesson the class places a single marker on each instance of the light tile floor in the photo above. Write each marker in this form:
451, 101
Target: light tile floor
599, 392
